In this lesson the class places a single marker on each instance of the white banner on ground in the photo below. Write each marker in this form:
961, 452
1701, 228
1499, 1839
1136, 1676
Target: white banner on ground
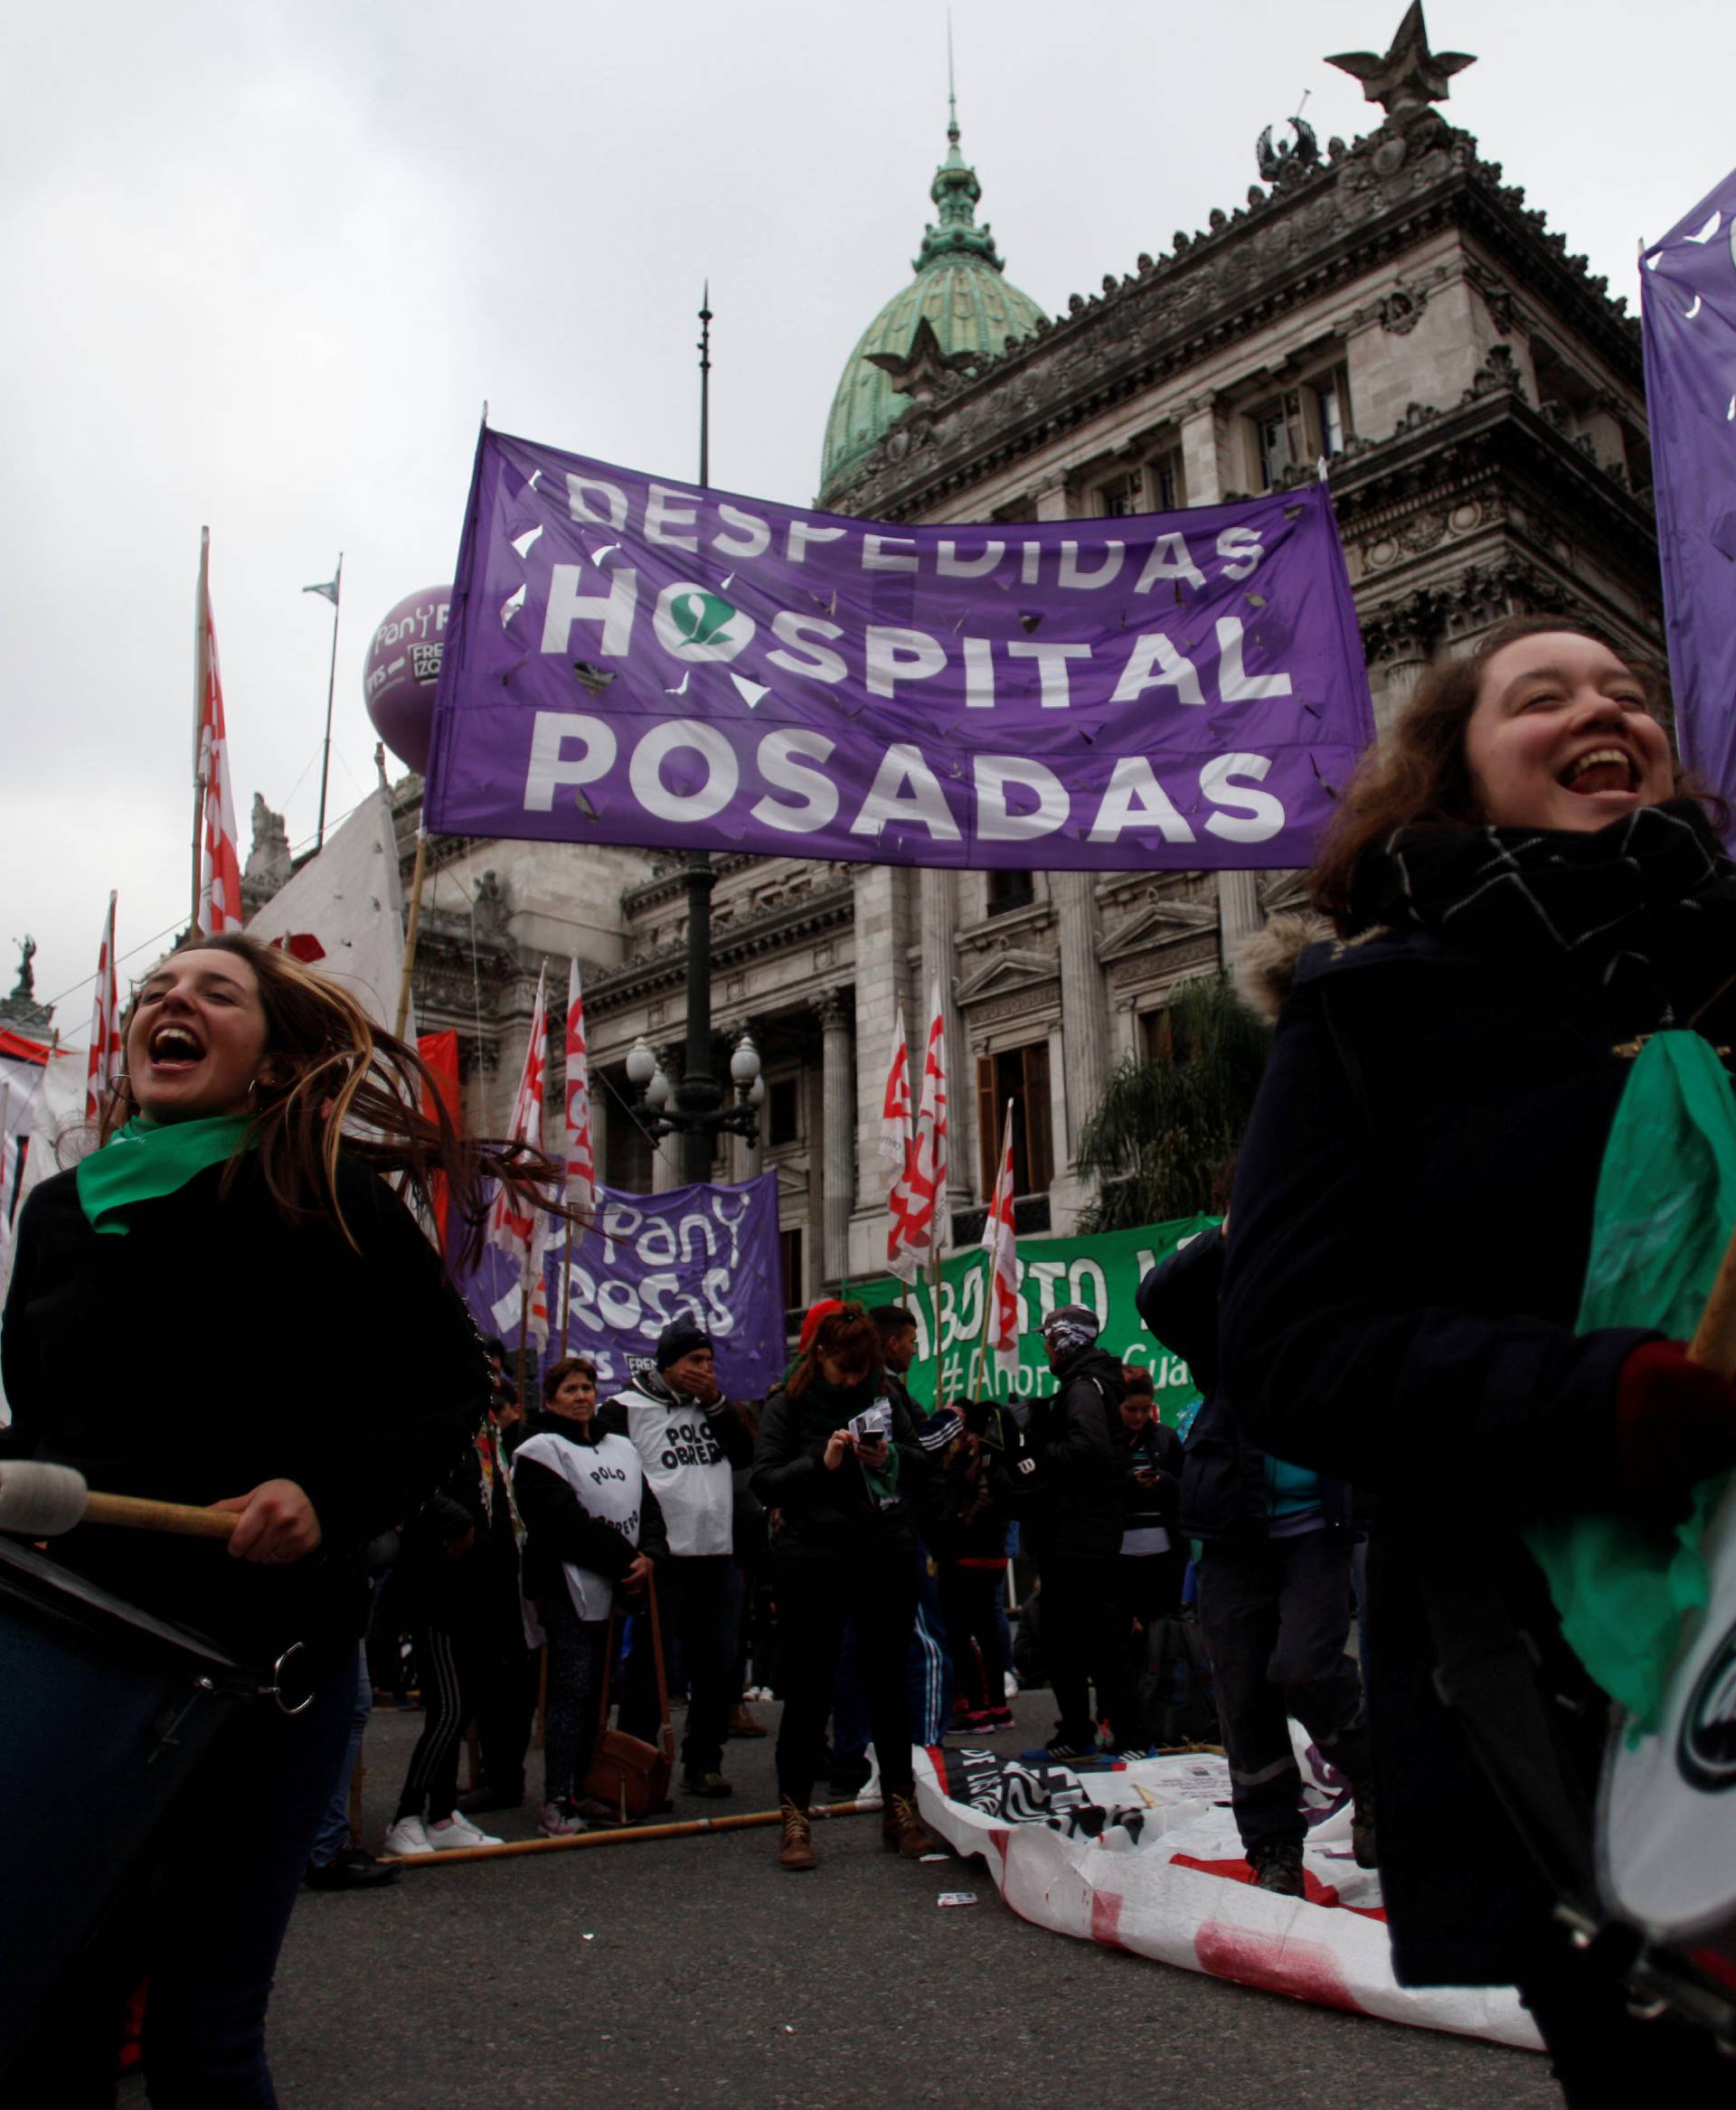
1180, 1896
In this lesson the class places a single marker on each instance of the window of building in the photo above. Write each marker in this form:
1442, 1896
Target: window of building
1010, 890
1119, 496
783, 1111
1302, 425
1021, 1075
789, 1252
1164, 477
1157, 1035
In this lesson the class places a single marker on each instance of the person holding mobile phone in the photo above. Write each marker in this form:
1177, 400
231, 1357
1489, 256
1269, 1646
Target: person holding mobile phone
845, 1553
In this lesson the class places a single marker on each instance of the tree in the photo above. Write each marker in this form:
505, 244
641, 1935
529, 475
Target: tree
1165, 1127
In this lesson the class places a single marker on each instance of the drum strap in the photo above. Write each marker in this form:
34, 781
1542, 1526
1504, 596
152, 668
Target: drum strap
1486, 1674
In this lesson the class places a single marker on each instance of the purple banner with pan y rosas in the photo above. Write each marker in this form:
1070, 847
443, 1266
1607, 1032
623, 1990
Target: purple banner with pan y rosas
708, 1253
1687, 287
643, 662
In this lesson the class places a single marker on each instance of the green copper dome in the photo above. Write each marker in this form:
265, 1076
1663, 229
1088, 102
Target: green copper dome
958, 289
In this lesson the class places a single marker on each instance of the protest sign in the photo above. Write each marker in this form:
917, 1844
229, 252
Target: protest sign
644, 662
708, 1253
1687, 287
1101, 1273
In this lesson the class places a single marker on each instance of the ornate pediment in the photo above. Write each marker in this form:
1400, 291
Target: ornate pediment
1005, 970
1163, 921
1281, 893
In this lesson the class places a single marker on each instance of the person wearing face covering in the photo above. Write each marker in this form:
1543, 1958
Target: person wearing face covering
1520, 887
1075, 1522
845, 1551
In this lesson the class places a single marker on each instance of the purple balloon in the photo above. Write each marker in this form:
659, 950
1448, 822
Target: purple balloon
402, 667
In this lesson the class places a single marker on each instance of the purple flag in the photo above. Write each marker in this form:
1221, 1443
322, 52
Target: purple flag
634, 660
1687, 300
708, 1253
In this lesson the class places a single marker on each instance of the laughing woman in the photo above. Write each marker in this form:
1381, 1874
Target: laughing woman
293, 1354
1523, 889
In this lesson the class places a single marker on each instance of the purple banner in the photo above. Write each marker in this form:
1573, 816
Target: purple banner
1687, 299
708, 1253
634, 661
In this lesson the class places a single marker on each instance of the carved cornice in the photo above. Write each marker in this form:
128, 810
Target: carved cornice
1007, 968
733, 943
1329, 227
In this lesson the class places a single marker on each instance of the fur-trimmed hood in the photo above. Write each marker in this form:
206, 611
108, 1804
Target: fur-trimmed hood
1265, 963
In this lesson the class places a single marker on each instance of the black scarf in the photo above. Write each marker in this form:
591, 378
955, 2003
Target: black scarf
1644, 911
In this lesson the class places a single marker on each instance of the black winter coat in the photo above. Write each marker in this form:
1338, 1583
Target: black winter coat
1223, 1472
825, 1515
215, 1346
1410, 1229
1076, 1436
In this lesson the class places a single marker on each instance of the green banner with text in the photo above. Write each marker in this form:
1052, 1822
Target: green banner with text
1102, 1272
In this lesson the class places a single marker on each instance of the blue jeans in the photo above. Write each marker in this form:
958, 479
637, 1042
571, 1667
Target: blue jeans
204, 1921
335, 1825
699, 1604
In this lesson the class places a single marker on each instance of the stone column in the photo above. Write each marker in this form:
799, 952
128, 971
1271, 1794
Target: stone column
665, 1156
941, 964
1084, 1011
1202, 461
1239, 915
838, 1137
600, 1098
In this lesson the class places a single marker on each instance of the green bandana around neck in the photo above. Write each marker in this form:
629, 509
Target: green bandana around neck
145, 1160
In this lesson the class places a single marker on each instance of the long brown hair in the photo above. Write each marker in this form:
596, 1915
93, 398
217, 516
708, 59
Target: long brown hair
1418, 777
340, 1084
844, 1332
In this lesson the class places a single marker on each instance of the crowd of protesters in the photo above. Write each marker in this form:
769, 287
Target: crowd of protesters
1521, 889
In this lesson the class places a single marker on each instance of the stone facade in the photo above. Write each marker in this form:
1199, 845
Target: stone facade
1391, 305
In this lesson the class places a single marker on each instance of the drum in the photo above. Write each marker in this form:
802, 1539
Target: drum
1667, 1821
106, 1710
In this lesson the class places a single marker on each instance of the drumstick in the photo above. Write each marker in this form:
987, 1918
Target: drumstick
40, 1501
1714, 1338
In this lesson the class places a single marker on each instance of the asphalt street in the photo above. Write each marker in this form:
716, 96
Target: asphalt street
695, 1972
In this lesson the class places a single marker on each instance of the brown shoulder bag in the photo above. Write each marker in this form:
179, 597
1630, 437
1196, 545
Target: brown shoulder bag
629, 1774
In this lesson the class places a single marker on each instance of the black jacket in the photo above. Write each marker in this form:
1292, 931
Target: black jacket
1075, 1437
458, 1565
1223, 1472
832, 1515
1155, 1452
215, 1346
1410, 1229
559, 1528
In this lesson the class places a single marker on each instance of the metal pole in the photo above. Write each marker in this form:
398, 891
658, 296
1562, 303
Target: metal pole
697, 1093
331, 686
200, 692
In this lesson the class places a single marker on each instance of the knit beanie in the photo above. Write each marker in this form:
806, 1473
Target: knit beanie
680, 1337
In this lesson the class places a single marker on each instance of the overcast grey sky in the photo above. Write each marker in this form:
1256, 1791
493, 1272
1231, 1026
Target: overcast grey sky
263, 262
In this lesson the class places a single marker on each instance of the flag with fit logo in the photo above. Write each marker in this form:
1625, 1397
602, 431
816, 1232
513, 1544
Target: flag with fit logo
103, 1063
582, 1163
896, 1146
928, 1177
1000, 1240
220, 863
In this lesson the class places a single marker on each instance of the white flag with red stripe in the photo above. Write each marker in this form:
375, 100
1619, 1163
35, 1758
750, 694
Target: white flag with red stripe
220, 863
928, 1175
512, 1221
581, 1162
103, 1064
898, 1146
1001, 1334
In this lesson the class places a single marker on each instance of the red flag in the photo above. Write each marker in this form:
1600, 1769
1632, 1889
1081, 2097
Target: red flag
512, 1222
581, 1165
104, 1063
1001, 1334
439, 1054
220, 864
928, 1178
897, 1146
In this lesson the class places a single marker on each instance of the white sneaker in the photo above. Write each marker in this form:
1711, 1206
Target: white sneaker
456, 1830
407, 1836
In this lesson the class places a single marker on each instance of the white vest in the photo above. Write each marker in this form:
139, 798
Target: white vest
689, 1474
609, 1482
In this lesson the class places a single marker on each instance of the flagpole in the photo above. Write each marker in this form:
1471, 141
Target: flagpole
979, 1361
412, 927
201, 693
331, 688
566, 1290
